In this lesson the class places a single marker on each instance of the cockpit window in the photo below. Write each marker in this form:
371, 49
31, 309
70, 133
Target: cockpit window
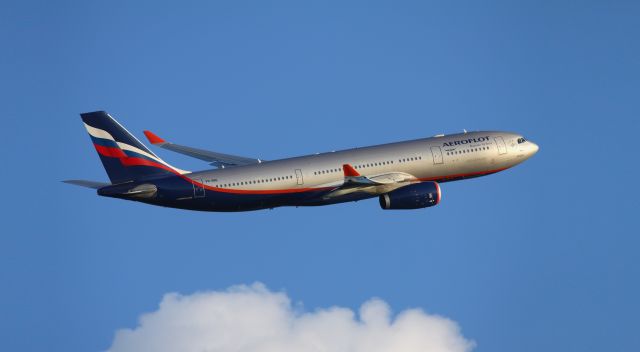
521, 140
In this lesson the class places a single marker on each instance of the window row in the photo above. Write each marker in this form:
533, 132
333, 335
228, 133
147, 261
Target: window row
254, 182
465, 151
405, 160
328, 171
366, 165
374, 164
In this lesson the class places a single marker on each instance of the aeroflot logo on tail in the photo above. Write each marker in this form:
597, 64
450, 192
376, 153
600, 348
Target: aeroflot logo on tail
465, 141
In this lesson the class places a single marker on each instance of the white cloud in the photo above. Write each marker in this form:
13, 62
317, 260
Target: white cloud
254, 319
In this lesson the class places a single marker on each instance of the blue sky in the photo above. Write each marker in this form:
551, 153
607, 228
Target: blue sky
540, 257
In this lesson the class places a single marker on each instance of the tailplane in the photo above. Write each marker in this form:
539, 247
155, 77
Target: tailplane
123, 156
87, 184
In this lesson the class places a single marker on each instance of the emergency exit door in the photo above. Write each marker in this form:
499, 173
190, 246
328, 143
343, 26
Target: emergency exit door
436, 152
299, 177
198, 190
502, 148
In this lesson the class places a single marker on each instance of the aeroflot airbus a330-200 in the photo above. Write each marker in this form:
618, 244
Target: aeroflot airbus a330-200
404, 175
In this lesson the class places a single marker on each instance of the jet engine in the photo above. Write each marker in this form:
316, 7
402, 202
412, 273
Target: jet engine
414, 196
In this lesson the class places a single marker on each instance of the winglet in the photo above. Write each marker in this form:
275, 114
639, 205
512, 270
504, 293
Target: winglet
349, 171
153, 139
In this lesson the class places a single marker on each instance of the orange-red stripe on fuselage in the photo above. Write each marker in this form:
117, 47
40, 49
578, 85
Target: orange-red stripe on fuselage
132, 161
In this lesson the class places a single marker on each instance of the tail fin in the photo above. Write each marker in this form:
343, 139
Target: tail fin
123, 156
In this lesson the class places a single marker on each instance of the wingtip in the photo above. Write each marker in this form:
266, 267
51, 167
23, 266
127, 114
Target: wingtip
153, 139
349, 171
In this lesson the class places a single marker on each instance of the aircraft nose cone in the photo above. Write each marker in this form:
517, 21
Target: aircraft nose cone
534, 148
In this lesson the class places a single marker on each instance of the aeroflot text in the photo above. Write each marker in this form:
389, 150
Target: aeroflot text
466, 141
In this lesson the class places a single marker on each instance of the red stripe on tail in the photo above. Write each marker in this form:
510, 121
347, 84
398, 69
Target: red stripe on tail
110, 152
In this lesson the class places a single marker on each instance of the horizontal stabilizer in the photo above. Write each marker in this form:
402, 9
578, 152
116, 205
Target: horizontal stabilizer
88, 184
214, 158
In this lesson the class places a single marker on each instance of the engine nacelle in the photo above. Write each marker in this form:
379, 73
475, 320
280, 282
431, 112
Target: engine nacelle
414, 196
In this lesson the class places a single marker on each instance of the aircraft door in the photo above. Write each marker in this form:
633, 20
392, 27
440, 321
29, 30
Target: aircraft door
436, 152
198, 190
299, 177
502, 148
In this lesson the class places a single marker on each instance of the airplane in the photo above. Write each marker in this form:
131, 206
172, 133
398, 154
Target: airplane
403, 175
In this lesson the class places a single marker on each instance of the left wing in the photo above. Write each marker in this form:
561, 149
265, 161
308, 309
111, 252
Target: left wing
220, 160
376, 184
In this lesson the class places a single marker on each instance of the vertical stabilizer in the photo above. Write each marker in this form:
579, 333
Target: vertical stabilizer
123, 156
